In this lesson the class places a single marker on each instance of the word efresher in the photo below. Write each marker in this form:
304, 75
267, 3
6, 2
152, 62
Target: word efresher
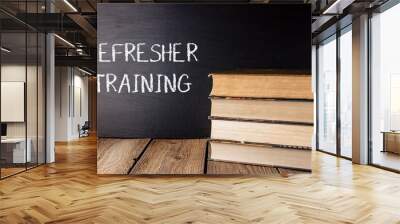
142, 52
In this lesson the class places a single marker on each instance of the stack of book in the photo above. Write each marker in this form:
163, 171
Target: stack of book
262, 118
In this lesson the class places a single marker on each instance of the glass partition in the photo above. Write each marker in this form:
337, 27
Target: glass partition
22, 78
14, 153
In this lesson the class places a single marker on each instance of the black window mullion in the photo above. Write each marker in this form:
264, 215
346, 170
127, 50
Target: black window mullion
26, 86
369, 79
338, 80
37, 90
26, 120
317, 97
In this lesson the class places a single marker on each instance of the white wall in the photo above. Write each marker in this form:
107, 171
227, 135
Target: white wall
71, 87
16, 73
80, 105
33, 126
62, 81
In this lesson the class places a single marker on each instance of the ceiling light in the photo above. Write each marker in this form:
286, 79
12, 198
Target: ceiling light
329, 9
84, 71
337, 7
70, 5
5, 50
64, 40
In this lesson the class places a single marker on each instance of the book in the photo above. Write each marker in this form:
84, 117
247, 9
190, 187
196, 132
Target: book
260, 155
263, 110
260, 85
262, 132
262, 118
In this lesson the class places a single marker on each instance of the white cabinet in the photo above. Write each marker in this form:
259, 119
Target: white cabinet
19, 155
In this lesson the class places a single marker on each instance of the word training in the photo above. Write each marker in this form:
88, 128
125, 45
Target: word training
144, 53
138, 83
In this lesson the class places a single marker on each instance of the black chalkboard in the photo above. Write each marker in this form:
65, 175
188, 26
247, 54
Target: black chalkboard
227, 37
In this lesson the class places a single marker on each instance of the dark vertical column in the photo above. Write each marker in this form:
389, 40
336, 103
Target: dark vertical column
338, 80
37, 90
317, 97
369, 90
26, 86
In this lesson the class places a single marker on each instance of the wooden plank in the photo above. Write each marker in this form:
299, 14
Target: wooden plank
226, 168
172, 156
274, 110
300, 135
262, 86
261, 155
117, 156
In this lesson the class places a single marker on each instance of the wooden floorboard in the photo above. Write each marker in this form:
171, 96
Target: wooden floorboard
223, 168
70, 191
289, 172
8, 171
172, 156
117, 156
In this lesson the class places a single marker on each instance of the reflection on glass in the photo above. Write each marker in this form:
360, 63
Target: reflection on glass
385, 93
346, 94
327, 96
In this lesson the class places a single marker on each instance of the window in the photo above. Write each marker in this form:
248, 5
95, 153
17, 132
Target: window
327, 95
346, 93
385, 89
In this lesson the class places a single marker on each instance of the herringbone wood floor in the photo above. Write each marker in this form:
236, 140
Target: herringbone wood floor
69, 191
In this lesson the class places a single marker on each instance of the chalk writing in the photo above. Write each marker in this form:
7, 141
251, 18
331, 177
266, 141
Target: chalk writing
146, 53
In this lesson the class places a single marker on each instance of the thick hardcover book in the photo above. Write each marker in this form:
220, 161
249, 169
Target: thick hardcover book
276, 86
261, 155
263, 110
292, 135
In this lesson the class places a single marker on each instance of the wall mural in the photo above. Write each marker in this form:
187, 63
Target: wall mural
158, 88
